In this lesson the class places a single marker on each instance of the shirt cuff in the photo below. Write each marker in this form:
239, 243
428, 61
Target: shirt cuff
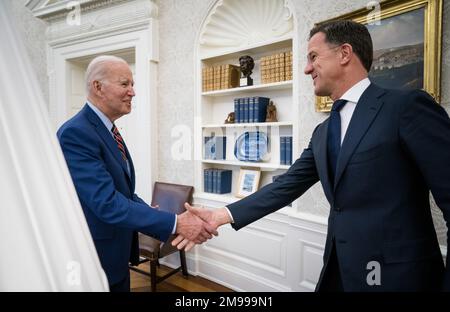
229, 213
174, 229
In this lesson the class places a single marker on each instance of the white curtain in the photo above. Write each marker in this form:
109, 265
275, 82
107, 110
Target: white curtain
45, 244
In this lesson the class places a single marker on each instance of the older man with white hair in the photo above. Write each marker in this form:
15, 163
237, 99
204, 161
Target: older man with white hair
103, 174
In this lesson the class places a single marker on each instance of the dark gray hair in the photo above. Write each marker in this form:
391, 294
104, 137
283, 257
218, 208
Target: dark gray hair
345, 31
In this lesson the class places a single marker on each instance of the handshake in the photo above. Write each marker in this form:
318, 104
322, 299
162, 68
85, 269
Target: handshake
197, 225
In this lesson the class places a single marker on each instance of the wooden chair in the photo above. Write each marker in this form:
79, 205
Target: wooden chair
169, 197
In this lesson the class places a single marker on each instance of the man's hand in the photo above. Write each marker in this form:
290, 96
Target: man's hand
193, 228
214, 218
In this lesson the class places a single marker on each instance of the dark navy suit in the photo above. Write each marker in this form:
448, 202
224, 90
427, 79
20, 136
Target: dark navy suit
396, 149
113, 211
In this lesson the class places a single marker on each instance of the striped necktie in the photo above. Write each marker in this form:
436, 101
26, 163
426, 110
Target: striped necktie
119, 140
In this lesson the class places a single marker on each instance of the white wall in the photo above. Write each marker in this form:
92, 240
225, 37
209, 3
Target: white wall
33, 34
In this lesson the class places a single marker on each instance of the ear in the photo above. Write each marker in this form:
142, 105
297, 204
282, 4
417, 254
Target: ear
96, 87
346, 53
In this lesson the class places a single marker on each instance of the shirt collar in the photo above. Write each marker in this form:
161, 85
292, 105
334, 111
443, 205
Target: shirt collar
108, 124
354, 93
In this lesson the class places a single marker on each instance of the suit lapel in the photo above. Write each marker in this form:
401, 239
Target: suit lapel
131, 174
366, 109
108, 139
322, 161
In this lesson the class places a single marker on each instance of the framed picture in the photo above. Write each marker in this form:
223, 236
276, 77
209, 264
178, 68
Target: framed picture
248, 182
407, 36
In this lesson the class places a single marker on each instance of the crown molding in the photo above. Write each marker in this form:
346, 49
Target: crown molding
54, 10
97, 17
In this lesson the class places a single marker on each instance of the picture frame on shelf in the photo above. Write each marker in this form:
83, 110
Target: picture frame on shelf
248, 182
407, 41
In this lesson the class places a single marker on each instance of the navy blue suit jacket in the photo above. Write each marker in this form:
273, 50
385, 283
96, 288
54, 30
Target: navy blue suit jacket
396, 149
114, 213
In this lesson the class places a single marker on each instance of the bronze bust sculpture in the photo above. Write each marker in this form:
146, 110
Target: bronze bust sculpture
247, 64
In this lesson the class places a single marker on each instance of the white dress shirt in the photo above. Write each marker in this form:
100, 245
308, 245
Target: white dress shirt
352, 96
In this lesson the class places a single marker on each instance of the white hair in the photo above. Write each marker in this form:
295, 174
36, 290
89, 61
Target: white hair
98, 68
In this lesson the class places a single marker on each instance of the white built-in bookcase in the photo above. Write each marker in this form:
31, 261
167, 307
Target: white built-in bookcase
233, 29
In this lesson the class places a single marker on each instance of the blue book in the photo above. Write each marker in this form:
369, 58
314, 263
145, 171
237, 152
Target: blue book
236, 110
217, 181
211, 181
224, 181
214, 180
208, 184
288, 150
283, 150
251, 109
260, 108
207, 146
220, 143
246, 110
205, 180
215, 147
241, 110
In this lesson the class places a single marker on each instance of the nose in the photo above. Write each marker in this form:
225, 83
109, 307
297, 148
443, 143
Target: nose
131, 92
308, 68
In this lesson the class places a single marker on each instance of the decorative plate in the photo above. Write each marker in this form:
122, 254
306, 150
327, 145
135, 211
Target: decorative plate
251, 146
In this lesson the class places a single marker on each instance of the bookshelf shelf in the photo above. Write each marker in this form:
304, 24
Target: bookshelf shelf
248, 125
257, 48
260, 165
221, 198
282, 85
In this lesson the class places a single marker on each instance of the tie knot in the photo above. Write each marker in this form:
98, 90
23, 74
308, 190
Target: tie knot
337, 105
114, 129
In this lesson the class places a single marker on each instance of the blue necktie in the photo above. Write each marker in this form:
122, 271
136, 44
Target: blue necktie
334, 136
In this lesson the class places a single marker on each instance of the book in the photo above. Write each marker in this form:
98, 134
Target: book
223, 181
283, 150
246, 109
289, 150
208, 181
251, 109
260, 108
215, 147
241, 110
237, 113
207, 147
230, 76
214, 180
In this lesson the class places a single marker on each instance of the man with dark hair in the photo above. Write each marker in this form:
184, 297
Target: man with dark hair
377, 157
357, 35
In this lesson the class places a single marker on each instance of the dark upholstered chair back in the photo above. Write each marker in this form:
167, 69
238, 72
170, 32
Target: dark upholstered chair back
171, 198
